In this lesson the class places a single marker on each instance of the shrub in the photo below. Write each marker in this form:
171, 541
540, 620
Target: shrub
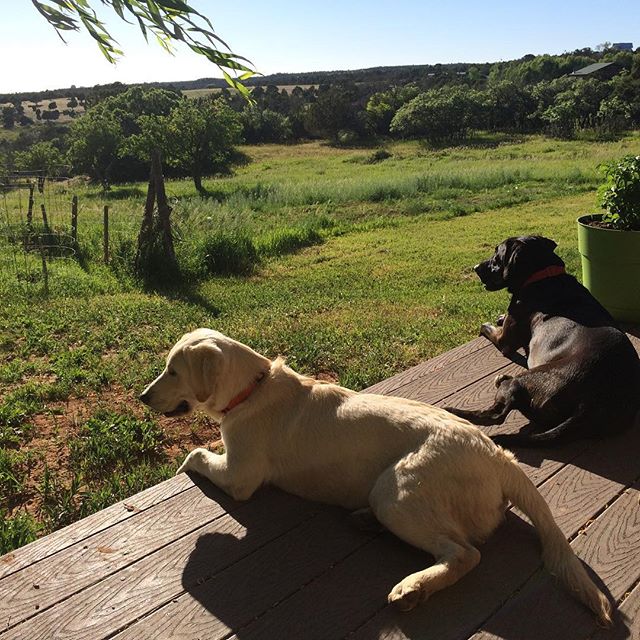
620, 194
439, 116
40, 157
228, 253
264, 125
378, 156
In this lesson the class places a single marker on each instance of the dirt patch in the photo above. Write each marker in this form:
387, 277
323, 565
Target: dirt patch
55, 428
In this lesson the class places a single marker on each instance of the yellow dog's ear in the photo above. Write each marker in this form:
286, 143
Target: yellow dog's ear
204, 360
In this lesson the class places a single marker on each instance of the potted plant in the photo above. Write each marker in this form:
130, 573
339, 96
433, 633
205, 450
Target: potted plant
609, 243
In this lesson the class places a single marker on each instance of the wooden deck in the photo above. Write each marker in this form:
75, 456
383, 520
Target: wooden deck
182, 560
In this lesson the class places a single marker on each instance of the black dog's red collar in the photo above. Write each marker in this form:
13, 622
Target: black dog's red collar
548, 272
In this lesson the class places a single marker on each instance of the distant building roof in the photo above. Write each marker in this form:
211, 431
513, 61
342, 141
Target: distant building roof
622, 46
593, 68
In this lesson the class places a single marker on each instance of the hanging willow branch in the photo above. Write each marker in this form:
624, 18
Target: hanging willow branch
169, 21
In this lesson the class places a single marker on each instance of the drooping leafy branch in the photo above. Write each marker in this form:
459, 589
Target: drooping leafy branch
169, 21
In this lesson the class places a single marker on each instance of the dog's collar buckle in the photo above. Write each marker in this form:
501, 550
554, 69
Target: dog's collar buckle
243, 395
543, 274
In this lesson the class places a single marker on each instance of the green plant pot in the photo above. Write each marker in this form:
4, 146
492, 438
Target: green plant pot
611, 267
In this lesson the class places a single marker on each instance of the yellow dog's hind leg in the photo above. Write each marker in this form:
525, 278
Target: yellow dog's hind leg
452, 562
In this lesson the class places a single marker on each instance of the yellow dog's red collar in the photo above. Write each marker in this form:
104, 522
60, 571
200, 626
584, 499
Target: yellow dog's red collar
548, 272
243, 395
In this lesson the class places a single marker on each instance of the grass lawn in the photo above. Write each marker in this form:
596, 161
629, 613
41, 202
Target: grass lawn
386, 282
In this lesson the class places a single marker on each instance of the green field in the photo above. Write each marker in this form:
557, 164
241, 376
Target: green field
362, 269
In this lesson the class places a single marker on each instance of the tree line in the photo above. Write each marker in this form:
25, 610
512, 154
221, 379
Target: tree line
111, 142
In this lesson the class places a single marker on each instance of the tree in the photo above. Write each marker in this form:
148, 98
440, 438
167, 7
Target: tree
94, 144
508, 106
264, 125
8, 117
333, 111
40, 157
155, 255
129, 105
125, 109
382, 106
170, 21
199, 137
441, 115
50, 115
614, 115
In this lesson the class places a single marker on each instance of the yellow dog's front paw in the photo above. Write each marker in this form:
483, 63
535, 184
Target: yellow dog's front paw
406, 595
193, 461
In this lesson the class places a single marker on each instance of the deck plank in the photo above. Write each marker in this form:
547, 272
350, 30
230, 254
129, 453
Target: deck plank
441, 383
428, 367
120, 511
86, 562
269, 575
111, 604
331, 606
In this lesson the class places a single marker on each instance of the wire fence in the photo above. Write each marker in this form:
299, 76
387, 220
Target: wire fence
39, 220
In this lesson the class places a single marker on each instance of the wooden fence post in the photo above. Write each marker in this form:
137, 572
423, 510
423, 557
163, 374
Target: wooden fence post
45, 270
44, 218
74, 219
30, 210
106, 234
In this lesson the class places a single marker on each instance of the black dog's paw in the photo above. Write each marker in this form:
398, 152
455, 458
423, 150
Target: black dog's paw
487, 330
500, 378
500, 320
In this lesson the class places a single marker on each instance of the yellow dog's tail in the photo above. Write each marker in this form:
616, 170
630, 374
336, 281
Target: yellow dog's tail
557, 553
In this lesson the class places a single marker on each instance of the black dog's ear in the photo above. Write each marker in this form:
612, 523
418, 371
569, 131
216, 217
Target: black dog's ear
540, 241
546, 243
511, 255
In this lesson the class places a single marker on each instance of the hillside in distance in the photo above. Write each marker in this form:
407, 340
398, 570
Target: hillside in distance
528, 69
374, 75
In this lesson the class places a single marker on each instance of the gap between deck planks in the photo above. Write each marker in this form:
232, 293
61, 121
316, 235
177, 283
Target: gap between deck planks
431, 387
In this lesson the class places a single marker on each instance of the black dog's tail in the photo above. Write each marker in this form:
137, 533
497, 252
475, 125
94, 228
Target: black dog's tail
587, 422
573, 427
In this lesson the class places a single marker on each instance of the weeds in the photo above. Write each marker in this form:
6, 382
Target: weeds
16, 530
14, 468
113, 456
109, 440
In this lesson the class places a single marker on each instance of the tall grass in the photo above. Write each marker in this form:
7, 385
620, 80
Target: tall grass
282, 200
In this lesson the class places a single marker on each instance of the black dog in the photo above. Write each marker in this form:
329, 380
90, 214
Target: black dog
584, 374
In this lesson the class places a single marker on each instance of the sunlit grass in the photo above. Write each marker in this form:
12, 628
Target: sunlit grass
356, 270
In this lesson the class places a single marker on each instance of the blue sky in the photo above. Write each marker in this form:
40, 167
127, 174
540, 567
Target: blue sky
283, 35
